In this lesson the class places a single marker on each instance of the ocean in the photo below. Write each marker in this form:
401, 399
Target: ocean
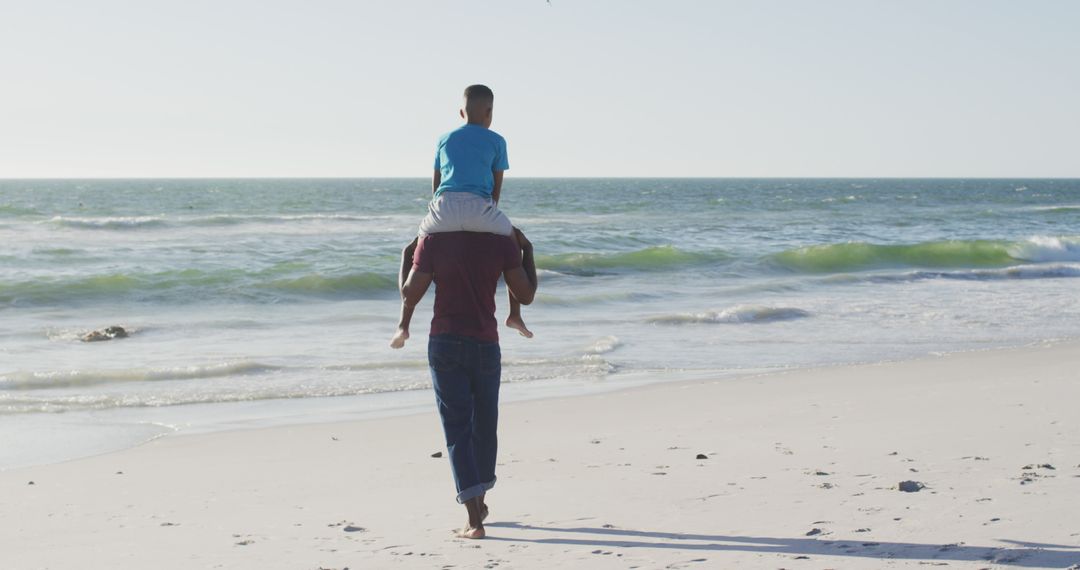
264, 302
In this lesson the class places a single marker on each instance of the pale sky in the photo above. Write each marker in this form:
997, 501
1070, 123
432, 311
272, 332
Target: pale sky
209, 88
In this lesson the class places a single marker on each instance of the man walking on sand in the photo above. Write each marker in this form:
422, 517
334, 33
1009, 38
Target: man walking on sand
463, 349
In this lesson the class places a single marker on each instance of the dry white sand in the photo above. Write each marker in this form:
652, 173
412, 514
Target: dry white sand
801, 472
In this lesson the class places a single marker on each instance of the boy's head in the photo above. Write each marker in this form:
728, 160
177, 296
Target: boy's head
479, 101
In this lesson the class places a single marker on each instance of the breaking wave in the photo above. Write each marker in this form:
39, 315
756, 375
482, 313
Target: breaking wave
192, 285
657, 258
856, 256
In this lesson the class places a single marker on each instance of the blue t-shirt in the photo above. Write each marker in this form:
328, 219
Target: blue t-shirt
466, 157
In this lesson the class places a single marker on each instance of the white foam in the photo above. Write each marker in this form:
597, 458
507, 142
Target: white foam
74, 378
604, 345
1041, 249
119, 222
734, 315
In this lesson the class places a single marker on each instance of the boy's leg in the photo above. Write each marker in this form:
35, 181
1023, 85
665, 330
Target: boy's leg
485, 216
515, 321
402, 333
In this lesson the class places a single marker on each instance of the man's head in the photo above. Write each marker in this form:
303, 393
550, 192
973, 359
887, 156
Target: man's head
479, 101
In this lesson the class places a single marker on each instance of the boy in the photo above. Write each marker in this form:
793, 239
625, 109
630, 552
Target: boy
469, 165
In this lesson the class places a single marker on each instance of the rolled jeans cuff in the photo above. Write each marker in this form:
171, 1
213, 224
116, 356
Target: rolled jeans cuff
475, 491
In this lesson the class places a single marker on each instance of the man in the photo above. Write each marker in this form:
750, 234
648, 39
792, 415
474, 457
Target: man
463, 348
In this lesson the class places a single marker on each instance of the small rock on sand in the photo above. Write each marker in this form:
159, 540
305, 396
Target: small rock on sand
910, 486
437, 454
814, 532
1030, 467
702, 456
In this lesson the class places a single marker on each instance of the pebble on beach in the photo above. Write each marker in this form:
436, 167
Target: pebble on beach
910, 486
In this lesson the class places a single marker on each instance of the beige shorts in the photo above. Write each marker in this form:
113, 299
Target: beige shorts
464, 212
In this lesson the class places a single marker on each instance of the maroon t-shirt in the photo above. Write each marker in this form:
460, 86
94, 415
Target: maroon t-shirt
466, 268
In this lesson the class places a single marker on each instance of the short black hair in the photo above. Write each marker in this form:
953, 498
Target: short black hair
479, 94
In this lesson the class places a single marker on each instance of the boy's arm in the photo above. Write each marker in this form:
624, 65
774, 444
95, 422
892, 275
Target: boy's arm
497, 189
436, 180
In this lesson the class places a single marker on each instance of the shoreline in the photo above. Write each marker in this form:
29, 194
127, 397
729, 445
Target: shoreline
801, 469
135, 427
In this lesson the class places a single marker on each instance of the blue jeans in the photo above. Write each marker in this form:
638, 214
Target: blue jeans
465, 373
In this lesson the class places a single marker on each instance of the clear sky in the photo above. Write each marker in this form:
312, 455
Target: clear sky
582, 87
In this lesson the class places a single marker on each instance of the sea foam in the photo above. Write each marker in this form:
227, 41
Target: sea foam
734, 315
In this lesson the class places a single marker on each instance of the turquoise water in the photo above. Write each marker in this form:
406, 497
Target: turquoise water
280, 293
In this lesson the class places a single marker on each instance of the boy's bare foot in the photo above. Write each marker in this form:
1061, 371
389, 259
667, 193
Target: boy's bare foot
517, 323
399, 339
471, 532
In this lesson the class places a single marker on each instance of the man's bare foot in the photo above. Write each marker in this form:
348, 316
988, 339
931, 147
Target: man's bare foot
472, 532
517, 323
399, 339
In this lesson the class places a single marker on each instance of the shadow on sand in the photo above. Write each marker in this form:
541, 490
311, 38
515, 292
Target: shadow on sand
1025, 554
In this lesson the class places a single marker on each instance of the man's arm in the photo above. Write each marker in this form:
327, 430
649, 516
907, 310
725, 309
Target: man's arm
412, 284
497, 189
436, 180
522, 280
407, 261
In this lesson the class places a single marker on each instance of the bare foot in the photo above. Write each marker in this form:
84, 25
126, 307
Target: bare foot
399, 339
518, 324
471, 532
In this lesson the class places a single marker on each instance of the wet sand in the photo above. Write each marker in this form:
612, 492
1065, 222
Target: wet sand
964, 461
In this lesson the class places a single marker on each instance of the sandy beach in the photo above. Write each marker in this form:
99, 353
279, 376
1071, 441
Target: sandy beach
800, 470
800, 283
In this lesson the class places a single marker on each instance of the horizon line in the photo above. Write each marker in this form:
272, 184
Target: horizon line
22, 178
